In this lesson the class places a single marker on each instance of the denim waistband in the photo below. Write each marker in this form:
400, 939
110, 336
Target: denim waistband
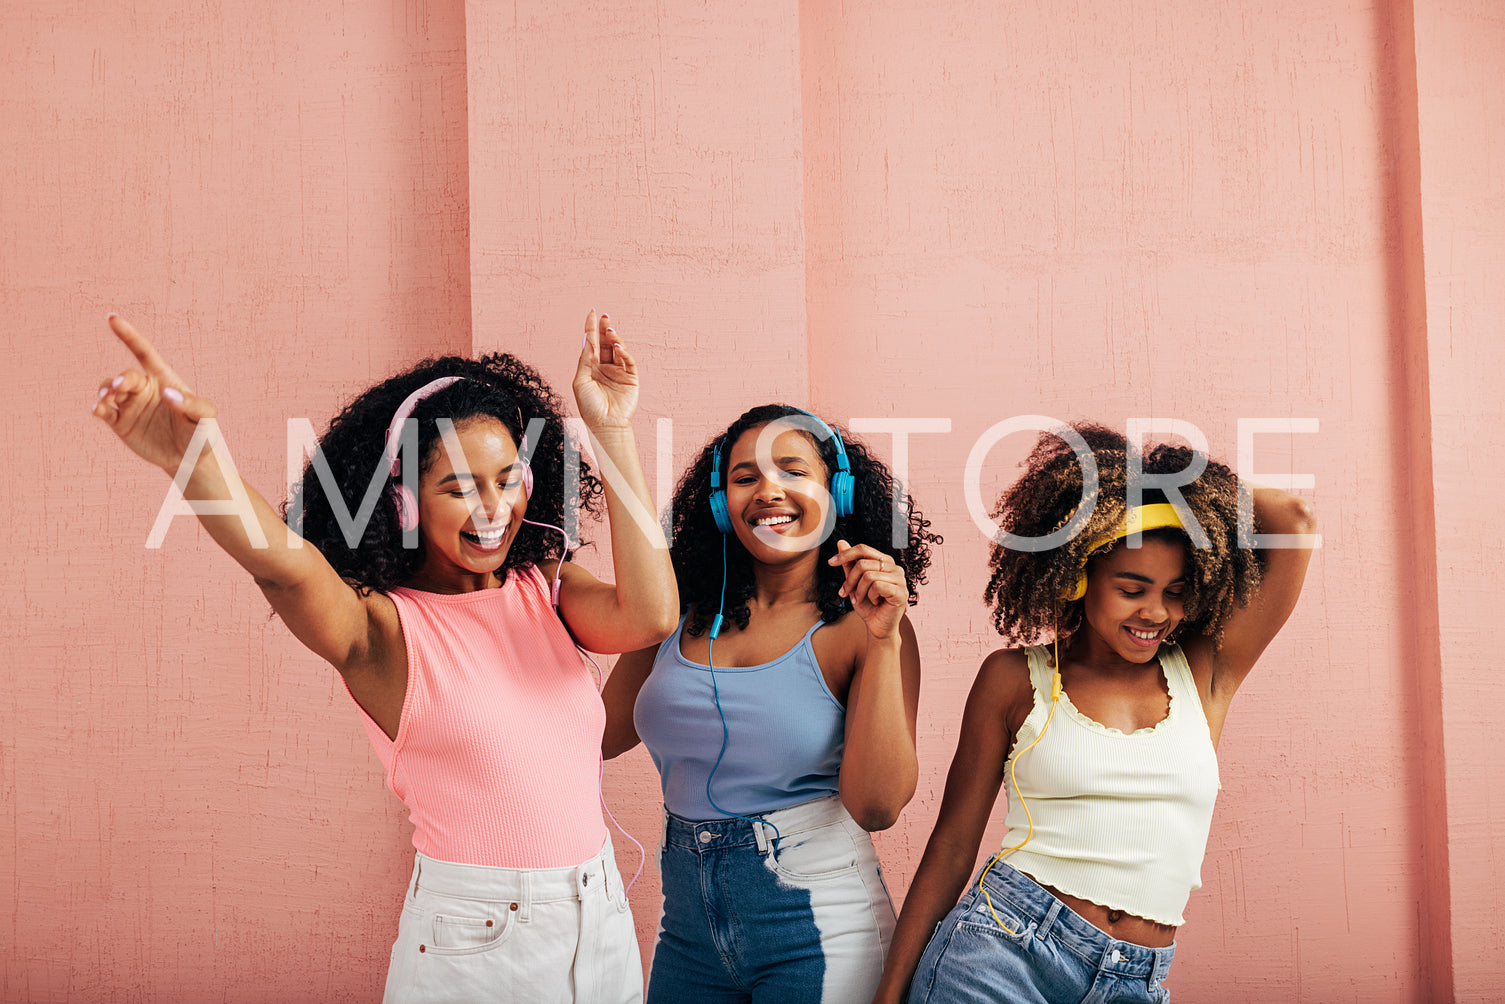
709, 834
1049, 916
521, 885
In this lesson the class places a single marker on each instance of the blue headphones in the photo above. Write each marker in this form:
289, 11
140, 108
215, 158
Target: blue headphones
843, 497
843, 484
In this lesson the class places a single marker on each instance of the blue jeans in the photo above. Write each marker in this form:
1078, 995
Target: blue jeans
741, 923
1042, 953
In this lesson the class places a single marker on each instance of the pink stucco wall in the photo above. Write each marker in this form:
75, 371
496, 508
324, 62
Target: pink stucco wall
962, 211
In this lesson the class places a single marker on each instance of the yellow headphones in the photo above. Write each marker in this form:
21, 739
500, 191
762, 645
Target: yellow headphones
1137, 520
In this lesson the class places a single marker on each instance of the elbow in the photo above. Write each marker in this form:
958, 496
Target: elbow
1304, 516
613, 746
649, 622
875, 819
877, 812
1297, 517
662, 625
647, 631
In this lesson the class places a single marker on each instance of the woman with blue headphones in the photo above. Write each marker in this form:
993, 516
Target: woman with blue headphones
780, 714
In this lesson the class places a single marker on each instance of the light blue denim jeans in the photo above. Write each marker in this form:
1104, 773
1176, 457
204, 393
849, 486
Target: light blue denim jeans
1043, 953
742, 923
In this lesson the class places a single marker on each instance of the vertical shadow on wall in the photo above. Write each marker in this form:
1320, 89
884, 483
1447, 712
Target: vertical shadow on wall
1410, 377
431, 267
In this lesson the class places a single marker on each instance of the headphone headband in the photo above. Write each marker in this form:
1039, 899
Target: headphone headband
407, 505
843, 484
1139, 519
404, 412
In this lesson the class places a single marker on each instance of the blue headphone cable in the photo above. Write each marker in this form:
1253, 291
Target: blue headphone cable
716, 693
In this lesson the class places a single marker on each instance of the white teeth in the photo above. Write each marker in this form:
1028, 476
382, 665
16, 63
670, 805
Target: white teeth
775, 520
1144, 635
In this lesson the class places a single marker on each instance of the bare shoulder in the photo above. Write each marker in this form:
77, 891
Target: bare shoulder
1003, 687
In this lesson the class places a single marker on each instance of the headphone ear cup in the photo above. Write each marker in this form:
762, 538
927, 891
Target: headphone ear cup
720, 511
407, 508
1080, 589
527, 480
844, 492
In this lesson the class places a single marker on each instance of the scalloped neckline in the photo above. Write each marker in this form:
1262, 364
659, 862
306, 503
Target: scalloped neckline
1089, 722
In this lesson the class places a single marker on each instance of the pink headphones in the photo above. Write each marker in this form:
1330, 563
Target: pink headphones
407, 505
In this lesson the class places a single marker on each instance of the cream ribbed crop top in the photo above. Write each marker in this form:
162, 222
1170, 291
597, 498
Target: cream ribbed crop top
1120, 820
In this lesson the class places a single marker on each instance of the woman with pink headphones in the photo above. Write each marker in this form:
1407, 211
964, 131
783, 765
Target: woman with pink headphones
438, 586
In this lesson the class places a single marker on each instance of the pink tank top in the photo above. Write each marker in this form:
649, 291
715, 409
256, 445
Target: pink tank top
497, 754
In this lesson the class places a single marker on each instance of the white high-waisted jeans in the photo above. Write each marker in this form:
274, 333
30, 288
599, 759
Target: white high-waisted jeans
524, 935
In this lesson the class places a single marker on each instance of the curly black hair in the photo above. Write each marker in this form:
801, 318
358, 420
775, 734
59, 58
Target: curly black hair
1028, 589
498, 386
696, 551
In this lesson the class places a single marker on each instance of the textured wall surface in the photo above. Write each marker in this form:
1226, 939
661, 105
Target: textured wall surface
191, 809
1460, 49
959, 213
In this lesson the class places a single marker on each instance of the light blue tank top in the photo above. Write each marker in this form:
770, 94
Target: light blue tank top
785, 731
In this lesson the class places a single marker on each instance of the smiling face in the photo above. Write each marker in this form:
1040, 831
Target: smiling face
470, 509
1135, 597
779, 512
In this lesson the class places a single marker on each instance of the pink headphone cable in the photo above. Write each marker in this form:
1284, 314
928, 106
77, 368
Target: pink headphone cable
600, 685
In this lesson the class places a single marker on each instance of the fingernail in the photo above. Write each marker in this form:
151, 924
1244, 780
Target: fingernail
111, 316
117, 382
605, 316
611, 331
173, 394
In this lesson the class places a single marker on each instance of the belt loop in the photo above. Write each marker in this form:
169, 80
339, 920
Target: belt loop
1050, 917
762, 837
417, 868
525, 896
1160, 968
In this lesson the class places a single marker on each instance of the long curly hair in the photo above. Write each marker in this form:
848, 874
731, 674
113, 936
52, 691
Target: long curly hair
496, 386
1027, 590
696, 551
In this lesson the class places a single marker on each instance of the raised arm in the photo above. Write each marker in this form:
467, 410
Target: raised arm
154, 412
1250, 629
642, 606
879, 766
1000, 692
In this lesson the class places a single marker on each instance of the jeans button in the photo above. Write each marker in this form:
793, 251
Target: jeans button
706, 837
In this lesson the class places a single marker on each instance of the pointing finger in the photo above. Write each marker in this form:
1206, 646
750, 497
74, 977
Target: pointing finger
145, 353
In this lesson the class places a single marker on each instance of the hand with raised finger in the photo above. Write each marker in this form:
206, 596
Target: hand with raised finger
875, 586
151, 409
606, 379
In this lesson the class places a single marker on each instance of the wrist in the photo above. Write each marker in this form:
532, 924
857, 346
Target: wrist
609, 436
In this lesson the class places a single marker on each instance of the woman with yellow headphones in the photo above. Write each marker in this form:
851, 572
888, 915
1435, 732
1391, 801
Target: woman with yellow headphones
1105, 738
